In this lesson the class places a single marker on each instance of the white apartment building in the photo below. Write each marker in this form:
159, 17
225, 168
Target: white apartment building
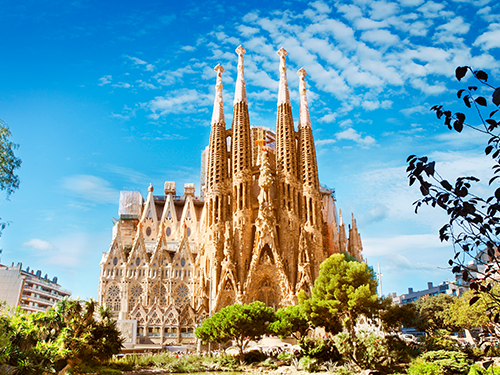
28, 289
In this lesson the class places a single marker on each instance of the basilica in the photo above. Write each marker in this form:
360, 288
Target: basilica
257, 231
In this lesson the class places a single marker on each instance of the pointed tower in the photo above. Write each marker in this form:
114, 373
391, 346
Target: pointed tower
241, 173
217, 173
310, 205
217, 190
354, 245
288, 187
149, 220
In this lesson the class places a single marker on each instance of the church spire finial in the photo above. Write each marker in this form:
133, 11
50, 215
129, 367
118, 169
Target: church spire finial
240, 94
218, 113
283, 94
304, 117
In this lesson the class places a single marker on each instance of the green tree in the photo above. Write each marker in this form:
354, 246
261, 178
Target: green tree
9, 180
462, 314
344, 291
240, 323
290, 320
474, 222
431, 313
393, 317
66, 336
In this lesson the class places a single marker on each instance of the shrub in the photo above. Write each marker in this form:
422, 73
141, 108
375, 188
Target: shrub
372, 350
309, 364
254, 356
440, 362
440, 340
319, 348
269, 362
477, 369
285, 357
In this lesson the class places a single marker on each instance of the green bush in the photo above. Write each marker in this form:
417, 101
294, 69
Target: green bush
269, 362
477, 369
440, 340
321, 349
443, 362
309, 364
285, 357
254, 356
372, 351
400, 351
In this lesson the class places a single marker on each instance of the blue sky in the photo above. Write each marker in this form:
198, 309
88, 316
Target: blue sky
104, 96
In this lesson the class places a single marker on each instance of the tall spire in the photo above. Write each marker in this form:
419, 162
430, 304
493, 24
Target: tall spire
283, 94
304, 118
218, 113
240, 94
308, 166
217, 157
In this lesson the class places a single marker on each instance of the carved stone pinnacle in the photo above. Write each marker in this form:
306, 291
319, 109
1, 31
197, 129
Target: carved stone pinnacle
219, 68
282, 52
302, 73
240, 50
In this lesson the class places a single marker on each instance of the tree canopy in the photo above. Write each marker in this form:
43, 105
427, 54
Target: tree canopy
68, 335
9, 180
474, 221
343, 291
240, 323
289, 321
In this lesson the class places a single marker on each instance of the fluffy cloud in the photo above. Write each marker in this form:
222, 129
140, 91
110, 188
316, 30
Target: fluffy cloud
490, 39
352, 135
38, 244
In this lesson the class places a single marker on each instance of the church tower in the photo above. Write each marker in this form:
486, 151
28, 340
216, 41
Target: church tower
289, 191
241, 170
308, 177
217, 200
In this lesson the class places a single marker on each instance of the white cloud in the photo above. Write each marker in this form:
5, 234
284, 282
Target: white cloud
178, 101
352, 135
105, 80
90, 188
136, 60
380, 37
489, 39
382, 9
367, 24
123, 85
39, 244
350, 11
322, 142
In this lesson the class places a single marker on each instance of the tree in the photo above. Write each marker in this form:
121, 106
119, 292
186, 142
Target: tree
343, 292
71, 334
9, 181
474, 222
462, 314
395, 316
431, 313
240, 323
290, 320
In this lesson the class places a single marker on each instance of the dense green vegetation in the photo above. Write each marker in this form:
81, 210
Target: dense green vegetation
72, 334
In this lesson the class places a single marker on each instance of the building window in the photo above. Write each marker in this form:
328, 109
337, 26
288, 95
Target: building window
170, 332
153, 331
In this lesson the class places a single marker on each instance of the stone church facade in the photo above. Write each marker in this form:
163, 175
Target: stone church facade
259, 229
